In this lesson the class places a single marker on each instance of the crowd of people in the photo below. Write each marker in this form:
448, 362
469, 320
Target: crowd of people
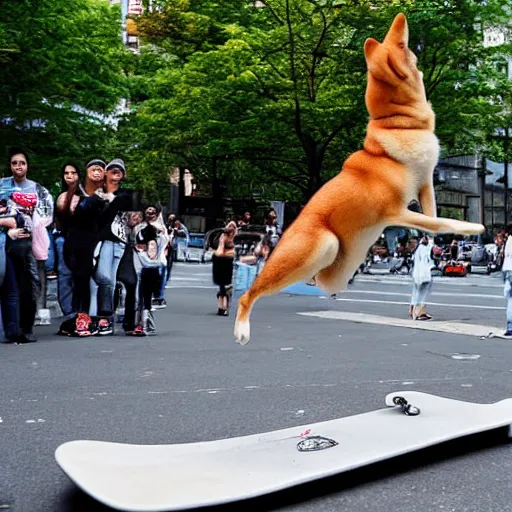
105, 248
94, 236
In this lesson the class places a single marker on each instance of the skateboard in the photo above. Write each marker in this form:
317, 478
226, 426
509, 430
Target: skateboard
154, 478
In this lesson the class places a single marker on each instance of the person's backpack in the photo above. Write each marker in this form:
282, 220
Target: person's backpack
479, 255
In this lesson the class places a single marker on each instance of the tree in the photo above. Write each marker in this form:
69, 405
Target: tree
464, 80
62, 75
281, 87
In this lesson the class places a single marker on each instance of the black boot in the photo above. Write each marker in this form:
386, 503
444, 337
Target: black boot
27, 337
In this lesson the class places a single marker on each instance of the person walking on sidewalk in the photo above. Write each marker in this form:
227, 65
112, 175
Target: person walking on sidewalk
222, 267
507, 275
421, 279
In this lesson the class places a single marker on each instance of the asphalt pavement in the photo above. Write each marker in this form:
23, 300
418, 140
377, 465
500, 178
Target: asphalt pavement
193, 383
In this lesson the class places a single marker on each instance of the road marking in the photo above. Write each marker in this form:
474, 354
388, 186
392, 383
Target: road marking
174, 278
192, 286
475, 295
447, 305
431, 325
173, 273
450, 281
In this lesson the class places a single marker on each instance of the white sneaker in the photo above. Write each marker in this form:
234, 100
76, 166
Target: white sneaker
43, 317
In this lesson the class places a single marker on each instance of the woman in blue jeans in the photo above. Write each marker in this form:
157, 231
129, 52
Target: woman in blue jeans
9, 297
112, 238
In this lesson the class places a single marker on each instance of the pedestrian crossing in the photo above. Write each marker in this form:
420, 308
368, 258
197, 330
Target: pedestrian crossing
199, 275
191, 275
494, 281
372, 292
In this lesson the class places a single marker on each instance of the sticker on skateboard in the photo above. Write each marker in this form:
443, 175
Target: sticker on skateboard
154, 478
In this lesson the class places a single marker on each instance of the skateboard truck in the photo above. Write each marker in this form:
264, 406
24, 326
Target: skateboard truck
407, 408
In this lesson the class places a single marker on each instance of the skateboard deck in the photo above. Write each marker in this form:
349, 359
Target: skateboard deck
153, 478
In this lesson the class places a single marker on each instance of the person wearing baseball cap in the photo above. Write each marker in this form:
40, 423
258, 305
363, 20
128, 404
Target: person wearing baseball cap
96, 161
113, 238
117, 163
94, 176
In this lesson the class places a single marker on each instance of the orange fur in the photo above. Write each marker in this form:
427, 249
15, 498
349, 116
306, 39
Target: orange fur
332, 234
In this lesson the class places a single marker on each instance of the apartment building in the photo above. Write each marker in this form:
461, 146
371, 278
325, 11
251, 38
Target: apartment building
129, 27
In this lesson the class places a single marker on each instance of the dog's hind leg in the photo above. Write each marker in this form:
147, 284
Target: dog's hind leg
298, 256
415, 220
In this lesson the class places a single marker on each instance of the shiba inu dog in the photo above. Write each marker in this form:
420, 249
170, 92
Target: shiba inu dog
332, 234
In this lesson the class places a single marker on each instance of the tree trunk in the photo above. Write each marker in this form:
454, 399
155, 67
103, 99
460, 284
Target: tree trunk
181, 189
216, 196
315, 161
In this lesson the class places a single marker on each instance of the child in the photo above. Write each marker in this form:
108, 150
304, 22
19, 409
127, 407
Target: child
149, 248
127, 276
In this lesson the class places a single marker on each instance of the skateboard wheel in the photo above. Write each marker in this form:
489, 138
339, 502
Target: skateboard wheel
315, 443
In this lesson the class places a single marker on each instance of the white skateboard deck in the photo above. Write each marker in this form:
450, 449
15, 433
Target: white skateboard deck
183, 476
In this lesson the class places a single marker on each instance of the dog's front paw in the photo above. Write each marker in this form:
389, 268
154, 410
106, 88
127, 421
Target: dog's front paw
242, 332
481, 228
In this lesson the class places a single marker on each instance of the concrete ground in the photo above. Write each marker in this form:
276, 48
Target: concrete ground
193, 383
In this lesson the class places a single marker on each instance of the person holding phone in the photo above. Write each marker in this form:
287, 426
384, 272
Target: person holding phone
33, 203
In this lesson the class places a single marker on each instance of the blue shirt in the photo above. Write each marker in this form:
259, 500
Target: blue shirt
27, 186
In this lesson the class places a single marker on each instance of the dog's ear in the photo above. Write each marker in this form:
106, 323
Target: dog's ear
370, 45
398, 33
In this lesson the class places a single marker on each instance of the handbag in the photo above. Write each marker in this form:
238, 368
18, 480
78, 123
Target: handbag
40, 239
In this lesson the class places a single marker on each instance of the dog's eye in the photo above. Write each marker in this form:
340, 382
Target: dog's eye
401, 46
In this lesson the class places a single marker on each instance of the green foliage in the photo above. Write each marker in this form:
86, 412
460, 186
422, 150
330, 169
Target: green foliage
61, 72
464, 80
271, 91
276, 93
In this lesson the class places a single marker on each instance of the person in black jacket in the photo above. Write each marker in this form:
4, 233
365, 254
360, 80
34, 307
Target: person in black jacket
82, 209
70, 176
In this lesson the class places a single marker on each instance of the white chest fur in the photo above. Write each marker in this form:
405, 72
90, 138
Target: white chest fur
418, 150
